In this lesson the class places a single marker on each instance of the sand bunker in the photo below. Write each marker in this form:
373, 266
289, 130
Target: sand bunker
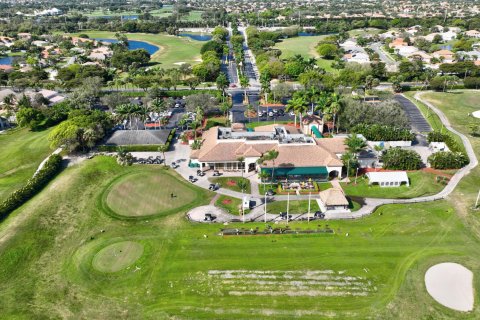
180, 63
476, 114
451, 285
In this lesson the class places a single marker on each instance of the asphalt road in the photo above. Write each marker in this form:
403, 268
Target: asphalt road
417, 121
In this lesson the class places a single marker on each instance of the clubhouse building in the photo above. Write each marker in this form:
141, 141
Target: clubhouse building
300, 157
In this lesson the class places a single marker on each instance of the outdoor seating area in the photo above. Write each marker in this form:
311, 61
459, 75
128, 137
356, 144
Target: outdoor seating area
303, 185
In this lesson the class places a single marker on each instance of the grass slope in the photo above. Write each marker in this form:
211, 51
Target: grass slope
304, 46
421, 184
172, 49
48, 267
22, 151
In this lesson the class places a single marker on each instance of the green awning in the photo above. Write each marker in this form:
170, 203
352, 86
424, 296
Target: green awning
316, 132
297, 171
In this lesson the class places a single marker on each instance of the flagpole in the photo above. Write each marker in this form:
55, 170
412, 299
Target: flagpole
309, 197
288, 204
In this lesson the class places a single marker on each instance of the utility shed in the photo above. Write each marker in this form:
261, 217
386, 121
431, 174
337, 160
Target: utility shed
388, 179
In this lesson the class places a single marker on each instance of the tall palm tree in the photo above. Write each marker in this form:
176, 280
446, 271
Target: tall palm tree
244, 84
335, 106
270, 156
298, 106
163, 148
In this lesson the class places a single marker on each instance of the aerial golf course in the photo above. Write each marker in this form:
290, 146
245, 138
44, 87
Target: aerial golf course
103, 241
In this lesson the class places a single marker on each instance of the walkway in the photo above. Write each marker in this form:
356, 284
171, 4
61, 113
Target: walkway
370, 203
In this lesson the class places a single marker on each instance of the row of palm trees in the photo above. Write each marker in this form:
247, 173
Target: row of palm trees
329, 104
131, 112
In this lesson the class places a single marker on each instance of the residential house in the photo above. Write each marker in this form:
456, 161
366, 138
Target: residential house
397, 43
473, 34
446, 56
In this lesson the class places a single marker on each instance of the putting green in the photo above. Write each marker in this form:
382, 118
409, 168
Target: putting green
141, 194
117, 256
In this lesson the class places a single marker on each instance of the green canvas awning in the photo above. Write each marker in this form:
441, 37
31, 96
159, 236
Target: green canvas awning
316, 132
297, 171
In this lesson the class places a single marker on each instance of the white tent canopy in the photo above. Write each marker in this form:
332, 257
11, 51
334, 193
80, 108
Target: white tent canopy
388, 179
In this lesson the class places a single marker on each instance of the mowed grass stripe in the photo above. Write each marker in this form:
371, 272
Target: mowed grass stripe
22, 151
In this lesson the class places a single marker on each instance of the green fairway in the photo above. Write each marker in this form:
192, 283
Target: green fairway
304, 46
421, 184
173, 50
148, 192
22, 151
117, 256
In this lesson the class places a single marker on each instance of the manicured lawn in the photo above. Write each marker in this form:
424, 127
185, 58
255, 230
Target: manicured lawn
364, 32
421, 184
230, 183
230, 204
295, 207
173, 50
22, 151
64, 253
148, 192
304, 46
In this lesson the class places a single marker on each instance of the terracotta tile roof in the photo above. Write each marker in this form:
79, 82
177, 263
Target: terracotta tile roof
334, 145
304, 156
333, 197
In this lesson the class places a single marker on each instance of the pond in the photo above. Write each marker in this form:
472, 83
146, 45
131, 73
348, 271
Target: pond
197, 37
126, 17
307, 34
134, 44
6, 60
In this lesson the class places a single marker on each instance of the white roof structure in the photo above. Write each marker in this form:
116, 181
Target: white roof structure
388, 179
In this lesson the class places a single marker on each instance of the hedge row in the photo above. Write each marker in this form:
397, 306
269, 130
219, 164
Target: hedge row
376, 132
138, 148
448, 160
51, 168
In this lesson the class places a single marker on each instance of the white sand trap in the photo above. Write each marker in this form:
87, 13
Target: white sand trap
180, 63
451, 285
476, 114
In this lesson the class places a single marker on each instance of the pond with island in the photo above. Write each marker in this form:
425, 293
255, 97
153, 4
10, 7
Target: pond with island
134, 44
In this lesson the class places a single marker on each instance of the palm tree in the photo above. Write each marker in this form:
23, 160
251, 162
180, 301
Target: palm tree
298, 106
244, 84
158, 106
355, 144
163, 148
270, 156
335, 106
241, 160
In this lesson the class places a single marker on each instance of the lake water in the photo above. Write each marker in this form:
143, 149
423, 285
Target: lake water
307, 34
127, 17
134, 44
198, 37
6, 60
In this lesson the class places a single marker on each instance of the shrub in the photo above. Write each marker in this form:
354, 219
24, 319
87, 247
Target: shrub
377, 132
448, 160
50, 169
401, 159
